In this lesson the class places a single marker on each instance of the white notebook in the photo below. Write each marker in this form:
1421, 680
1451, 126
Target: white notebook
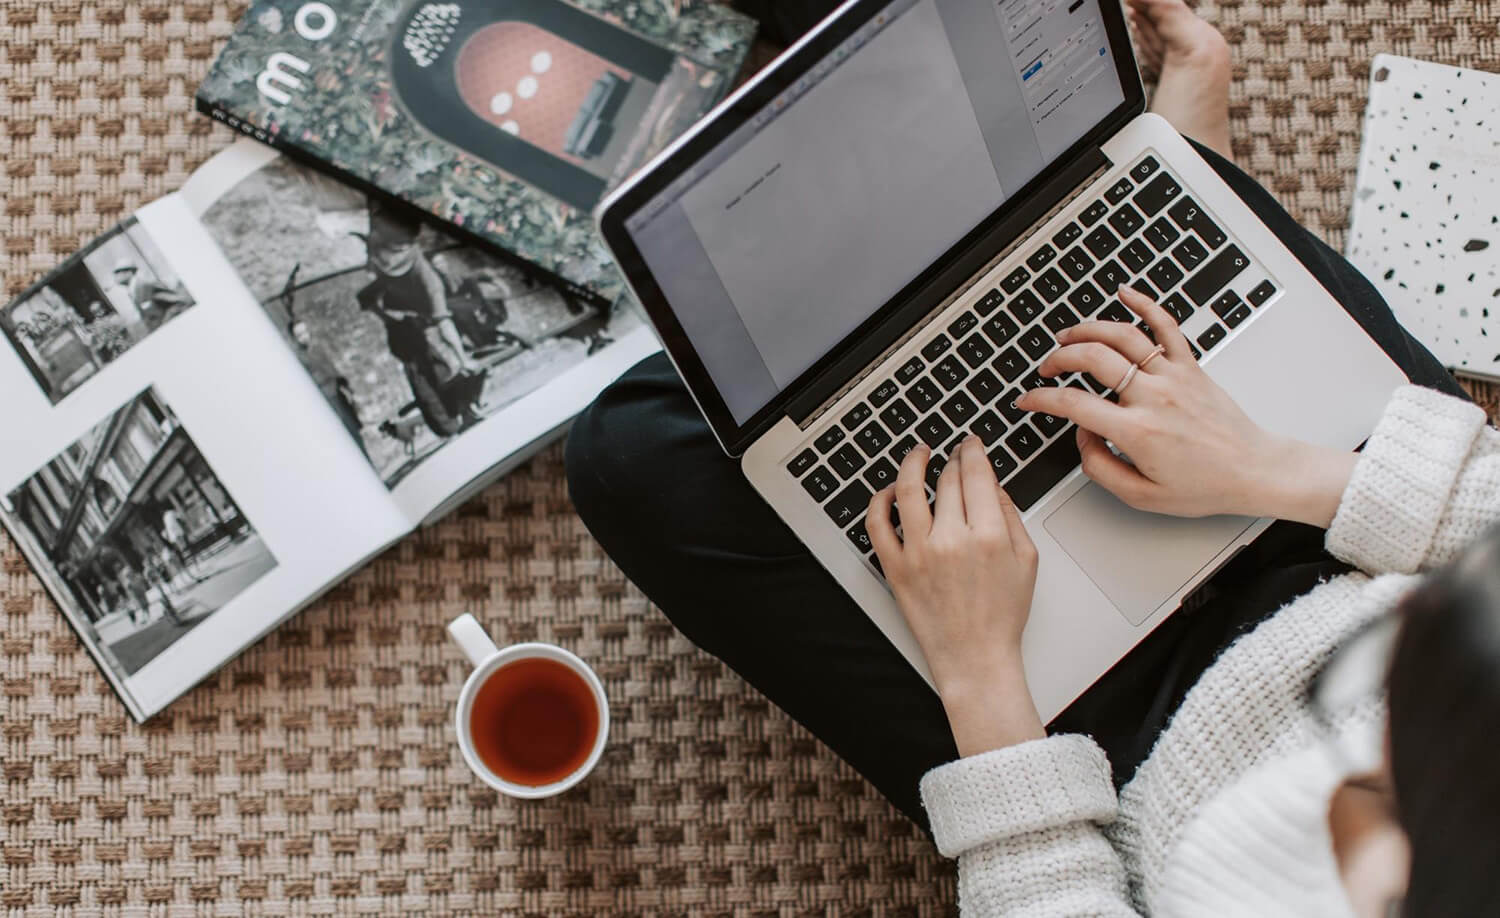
1425, 226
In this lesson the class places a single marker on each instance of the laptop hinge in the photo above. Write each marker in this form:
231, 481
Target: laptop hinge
967, 269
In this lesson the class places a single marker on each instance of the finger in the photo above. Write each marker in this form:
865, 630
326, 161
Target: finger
948, 507
1014, 528
882, 533
1163, 326
911, 494
1122, 336
1117, 476
1085, 409
1102, 361
981, 491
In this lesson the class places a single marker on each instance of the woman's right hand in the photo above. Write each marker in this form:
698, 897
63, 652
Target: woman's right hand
1192, 451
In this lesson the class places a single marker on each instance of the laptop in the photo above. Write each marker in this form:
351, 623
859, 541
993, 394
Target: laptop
872, 244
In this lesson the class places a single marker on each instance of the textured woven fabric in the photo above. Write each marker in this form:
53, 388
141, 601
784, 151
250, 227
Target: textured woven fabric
315, 774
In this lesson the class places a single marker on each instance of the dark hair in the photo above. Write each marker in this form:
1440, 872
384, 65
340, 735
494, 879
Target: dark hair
1444, 691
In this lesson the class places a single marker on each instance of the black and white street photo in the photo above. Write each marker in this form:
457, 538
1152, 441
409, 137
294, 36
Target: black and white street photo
102, 302
411, 336
142, 537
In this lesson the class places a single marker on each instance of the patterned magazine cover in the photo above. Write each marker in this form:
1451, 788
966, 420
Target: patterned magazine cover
510, 119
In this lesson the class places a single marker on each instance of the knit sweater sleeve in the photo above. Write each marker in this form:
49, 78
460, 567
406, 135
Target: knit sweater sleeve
1024, 823
1426, 484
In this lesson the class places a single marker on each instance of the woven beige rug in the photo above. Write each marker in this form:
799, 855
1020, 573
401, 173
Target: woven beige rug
315, 774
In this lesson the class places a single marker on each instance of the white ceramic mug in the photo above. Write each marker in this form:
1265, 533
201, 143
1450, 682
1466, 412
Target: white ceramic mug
487, 658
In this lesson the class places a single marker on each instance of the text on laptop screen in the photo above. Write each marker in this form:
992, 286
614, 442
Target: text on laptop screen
803, 222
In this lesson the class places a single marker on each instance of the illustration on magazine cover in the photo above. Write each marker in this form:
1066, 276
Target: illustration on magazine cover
511, 119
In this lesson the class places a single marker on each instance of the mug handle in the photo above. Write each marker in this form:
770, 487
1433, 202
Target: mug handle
472, 639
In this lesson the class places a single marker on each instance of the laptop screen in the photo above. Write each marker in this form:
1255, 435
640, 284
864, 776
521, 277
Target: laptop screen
816, 211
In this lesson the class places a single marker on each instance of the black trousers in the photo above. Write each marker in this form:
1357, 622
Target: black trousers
679, 518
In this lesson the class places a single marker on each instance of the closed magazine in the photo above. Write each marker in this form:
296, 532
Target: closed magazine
234, 398
510, 119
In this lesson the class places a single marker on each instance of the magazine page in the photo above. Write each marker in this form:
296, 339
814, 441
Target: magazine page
507, 118
165, 465
440, 361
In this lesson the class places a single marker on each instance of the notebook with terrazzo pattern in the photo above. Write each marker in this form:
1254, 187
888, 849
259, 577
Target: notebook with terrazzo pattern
1425, 226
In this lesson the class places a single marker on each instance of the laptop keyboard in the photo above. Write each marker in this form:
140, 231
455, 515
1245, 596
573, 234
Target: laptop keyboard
964, 373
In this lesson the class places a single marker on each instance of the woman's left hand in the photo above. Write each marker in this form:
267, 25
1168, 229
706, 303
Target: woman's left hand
963, 573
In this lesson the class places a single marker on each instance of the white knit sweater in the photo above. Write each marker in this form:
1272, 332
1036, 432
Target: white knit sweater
1234, 793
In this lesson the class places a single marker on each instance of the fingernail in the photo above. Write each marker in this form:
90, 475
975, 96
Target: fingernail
971, 438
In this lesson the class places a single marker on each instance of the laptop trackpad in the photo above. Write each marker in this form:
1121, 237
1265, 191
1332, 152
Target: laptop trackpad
1137, 559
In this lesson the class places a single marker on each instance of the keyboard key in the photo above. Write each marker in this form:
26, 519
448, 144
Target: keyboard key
1110, 276
1036, 342
875, 563
949, 373
1197, 354
1144, 286
1000, 328
1098, 387
850, 504
1015, 280
801, 463
1160, 192
984, 386
884, 392
1086, 298
820, 484
856, 416
1211, 278
1237, 315
1066, 235
975, 350
933, 349
1188, 215
872, 438
961, 325
1178, 308
909, 371
1008, 409
1024, 440
1116, 312
1042, 257
1010, 364
1001, 462
1190, 253
846, 461
1050, 285
1062, 317
1093, 213
828, 439
1035, 380
1146, 330
1025, 307
1126, 220
1043, 472
1165, 274
1263, 291
959, 409
1161, 234
903, 446
1076, 263
1137, 256
924, 393
898, 416
934, 431
989, 302
1225, 304
1143, 169
1119, 191
1213, 335
861, 538
881, 474
988, 427
1101, 242
1048, 424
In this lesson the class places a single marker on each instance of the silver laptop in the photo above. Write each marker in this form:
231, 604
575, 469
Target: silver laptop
872, 244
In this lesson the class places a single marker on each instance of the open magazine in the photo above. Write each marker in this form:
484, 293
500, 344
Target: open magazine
235, 397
